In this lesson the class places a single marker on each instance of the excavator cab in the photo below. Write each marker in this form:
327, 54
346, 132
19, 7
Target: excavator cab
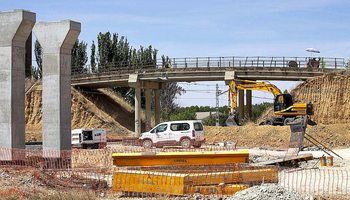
282, 102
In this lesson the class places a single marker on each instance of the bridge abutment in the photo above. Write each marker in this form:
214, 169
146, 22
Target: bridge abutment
57, 40
15, 27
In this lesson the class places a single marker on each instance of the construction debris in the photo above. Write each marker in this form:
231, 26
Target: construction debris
265, 192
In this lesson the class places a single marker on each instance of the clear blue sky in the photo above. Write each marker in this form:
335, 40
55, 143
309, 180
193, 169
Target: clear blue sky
198, 28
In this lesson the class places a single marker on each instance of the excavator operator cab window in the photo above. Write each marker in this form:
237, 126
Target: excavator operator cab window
283, 101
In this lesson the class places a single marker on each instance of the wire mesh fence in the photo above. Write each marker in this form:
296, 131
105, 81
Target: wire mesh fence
92, 172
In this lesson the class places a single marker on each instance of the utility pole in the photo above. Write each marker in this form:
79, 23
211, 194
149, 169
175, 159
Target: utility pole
217, 104
218, 93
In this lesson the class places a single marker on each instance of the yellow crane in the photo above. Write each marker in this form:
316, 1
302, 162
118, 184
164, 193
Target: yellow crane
284, 107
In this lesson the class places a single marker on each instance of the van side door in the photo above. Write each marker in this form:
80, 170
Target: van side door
161, 133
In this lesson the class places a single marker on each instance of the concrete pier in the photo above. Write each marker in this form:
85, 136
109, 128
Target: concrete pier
15, 27
57, 40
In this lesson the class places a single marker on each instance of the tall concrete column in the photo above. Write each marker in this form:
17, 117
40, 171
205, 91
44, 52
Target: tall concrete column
157, 106
249, 104
138, 111
241, 104
148, 108
57, 40
135, 83
15, 27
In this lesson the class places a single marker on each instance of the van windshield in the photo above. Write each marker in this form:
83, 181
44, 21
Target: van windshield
198, 126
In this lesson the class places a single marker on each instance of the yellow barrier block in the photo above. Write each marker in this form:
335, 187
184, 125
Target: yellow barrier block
149, 182
180, 158
181, 184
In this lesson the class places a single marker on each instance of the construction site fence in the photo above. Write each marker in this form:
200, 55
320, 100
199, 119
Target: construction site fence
214, 62
49, 171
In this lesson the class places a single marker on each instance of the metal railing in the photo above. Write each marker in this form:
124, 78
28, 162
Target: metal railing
214, 62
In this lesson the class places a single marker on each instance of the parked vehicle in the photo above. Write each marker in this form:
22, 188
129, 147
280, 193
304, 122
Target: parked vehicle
86, 138
185, 133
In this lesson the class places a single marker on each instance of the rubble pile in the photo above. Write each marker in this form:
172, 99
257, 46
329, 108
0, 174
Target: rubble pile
265, 192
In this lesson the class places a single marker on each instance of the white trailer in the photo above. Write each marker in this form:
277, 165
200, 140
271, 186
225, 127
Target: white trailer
88, 138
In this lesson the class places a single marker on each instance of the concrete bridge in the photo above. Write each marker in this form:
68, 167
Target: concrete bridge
153, 75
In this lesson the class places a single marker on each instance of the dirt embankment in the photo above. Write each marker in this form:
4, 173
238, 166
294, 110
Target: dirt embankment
98, 110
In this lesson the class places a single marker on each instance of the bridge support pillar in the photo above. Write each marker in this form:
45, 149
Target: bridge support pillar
137, 111
57, 40
148, 108
15, 28
157, 106
241, 105
249, 104
156, 87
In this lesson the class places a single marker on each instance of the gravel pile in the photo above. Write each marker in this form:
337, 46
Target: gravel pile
265, 192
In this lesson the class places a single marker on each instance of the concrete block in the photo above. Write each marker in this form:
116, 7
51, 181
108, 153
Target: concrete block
15, 27
57, 40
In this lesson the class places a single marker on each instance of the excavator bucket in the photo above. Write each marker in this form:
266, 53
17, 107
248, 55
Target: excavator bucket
231, 121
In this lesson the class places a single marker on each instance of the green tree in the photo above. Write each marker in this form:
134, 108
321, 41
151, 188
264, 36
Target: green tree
79, 57
92, 57
38, 51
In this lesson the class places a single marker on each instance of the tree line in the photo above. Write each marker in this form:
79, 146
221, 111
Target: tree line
189, 113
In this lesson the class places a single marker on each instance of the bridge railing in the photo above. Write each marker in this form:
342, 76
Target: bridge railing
258, 61
214, 62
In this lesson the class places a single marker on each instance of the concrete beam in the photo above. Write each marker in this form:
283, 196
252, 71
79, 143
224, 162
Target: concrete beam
134, 81
229, 76
15, 27
57, 40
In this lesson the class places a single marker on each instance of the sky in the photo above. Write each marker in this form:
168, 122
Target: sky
208, 28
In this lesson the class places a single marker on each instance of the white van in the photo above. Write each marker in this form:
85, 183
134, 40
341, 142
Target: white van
175, 133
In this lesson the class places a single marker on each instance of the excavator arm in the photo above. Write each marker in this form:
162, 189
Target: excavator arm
234, 86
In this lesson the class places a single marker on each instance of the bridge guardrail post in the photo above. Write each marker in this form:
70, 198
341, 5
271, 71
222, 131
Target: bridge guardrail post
233, 61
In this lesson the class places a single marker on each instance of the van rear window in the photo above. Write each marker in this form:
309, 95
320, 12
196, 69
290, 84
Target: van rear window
198, 126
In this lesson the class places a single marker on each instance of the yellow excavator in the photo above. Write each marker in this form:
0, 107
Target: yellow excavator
285, 109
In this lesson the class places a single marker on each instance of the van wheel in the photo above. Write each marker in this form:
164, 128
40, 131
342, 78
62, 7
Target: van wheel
197, 145
147, 144
186, 143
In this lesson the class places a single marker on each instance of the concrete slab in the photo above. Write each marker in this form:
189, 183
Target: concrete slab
15, 27
57, 40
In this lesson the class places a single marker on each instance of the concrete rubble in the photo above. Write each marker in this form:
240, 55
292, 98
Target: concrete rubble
265, 192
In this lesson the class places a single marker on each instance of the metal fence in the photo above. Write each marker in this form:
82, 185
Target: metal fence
214, 62
92, 171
